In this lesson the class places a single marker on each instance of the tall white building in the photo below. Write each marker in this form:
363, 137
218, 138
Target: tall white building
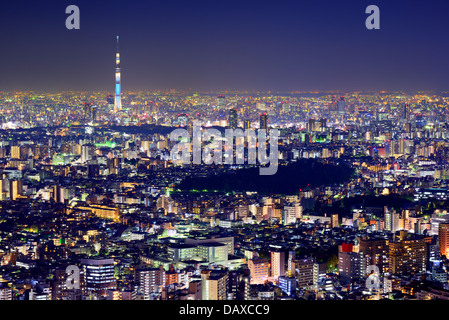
391, 220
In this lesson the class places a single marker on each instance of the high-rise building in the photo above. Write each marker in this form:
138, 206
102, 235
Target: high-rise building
117, 98
435, 221
15, 152
59, 194
334, 221
443, 237
290, 214
351, 264
404, 112
233, 120
323, 124
341, 105
98, 275
258, 270
420, 122
239, 287
375, 252
214, 284
290, 263
87, 152
306, 272
110, 100
150, 280
277, 264
263, 121
311, 125
221, 99
15, 189
94, 113
391, 220
287, 285
407, 254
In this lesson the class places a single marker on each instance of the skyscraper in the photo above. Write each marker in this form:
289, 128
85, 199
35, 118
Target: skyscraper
311, 125
233, 121
221, 99
341, 106
263, 121
117, 99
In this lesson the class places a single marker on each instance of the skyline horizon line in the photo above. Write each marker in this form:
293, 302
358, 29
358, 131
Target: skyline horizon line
220, 91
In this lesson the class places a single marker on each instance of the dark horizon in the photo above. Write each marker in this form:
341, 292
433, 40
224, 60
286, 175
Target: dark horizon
236, 46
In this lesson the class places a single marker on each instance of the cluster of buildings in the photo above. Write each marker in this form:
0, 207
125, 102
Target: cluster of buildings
89, 186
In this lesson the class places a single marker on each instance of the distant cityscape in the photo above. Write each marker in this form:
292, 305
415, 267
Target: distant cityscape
83, 185
221, 195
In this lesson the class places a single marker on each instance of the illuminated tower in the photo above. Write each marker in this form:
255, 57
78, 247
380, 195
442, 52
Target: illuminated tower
117, 99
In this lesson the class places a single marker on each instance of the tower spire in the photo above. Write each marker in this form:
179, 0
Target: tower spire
117, 99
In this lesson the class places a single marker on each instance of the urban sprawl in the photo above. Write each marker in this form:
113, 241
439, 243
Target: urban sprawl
89, 187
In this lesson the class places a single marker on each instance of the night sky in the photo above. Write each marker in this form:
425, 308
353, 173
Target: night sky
249, 45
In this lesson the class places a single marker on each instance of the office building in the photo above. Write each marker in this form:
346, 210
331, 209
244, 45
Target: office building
98, 275
287, 285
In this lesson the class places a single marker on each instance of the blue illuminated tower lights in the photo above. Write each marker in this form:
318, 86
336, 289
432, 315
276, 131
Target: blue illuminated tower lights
117, 98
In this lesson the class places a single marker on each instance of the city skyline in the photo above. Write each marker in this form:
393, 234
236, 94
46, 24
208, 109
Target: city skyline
227, 151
